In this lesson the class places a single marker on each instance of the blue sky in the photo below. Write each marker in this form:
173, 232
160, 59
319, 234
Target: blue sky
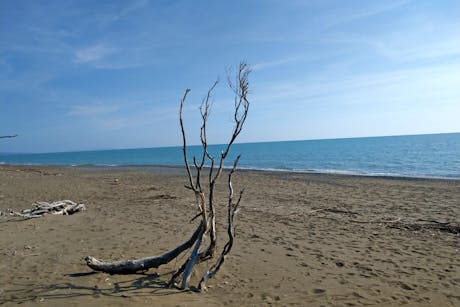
77, 75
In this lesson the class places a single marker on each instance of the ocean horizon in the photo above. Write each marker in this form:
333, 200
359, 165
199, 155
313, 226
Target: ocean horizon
418, 156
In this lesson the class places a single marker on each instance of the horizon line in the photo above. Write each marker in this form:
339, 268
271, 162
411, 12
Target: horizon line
217, 144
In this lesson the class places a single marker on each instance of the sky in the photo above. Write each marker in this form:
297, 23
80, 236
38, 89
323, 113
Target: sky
87, 75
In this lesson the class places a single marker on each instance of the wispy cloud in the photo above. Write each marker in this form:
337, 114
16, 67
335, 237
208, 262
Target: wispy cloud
113, 123
403, 45
409, 86
279, 62
93, 53
411, 50
90, 110
340, 18
131, 7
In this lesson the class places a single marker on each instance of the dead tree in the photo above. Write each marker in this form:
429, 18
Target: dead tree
202, 182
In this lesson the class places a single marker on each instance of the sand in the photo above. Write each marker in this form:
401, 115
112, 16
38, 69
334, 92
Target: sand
302, 239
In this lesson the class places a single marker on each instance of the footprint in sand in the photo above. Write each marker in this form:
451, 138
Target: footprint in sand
319, 291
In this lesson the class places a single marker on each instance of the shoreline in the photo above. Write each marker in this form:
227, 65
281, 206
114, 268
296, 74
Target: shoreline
175, 169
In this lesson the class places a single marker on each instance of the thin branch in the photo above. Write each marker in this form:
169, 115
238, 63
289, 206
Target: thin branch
184, 147
205, 108
8, 136
240, 89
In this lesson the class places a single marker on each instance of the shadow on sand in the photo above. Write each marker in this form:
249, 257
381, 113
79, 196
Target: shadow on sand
145, 285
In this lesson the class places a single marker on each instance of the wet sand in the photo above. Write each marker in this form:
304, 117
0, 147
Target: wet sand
302, 239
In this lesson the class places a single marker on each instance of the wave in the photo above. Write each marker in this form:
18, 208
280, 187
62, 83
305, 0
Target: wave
349, 172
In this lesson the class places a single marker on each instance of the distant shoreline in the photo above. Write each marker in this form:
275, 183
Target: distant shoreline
427, 156
180, 170
238, 143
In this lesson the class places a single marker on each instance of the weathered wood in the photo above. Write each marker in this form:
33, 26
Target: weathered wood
208, 211
143, 264
204, 195
191, 261
232, 209
39, 209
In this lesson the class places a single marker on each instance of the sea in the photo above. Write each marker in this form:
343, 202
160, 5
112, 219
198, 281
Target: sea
418, 156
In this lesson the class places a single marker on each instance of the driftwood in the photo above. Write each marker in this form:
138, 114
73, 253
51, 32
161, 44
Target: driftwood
144, 264
203, 189
207, 210
39, 209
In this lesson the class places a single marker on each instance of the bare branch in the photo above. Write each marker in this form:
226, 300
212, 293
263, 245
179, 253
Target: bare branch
240, 89
205, 108
195, 217
184, 147
8, 136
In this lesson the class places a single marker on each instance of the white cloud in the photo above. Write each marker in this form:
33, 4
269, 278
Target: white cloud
90, 110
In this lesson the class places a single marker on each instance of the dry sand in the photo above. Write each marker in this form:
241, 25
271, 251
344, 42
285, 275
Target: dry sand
287, 251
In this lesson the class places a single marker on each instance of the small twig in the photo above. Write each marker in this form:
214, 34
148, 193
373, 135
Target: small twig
317, 210
376, 222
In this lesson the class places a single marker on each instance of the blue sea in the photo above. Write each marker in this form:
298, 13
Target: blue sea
425, 156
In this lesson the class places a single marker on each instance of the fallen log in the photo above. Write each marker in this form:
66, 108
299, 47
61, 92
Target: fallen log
143, 264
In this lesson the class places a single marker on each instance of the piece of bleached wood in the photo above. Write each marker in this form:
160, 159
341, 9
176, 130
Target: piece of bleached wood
143, 264
63, 207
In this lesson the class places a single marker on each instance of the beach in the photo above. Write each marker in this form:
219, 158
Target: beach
301, 239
